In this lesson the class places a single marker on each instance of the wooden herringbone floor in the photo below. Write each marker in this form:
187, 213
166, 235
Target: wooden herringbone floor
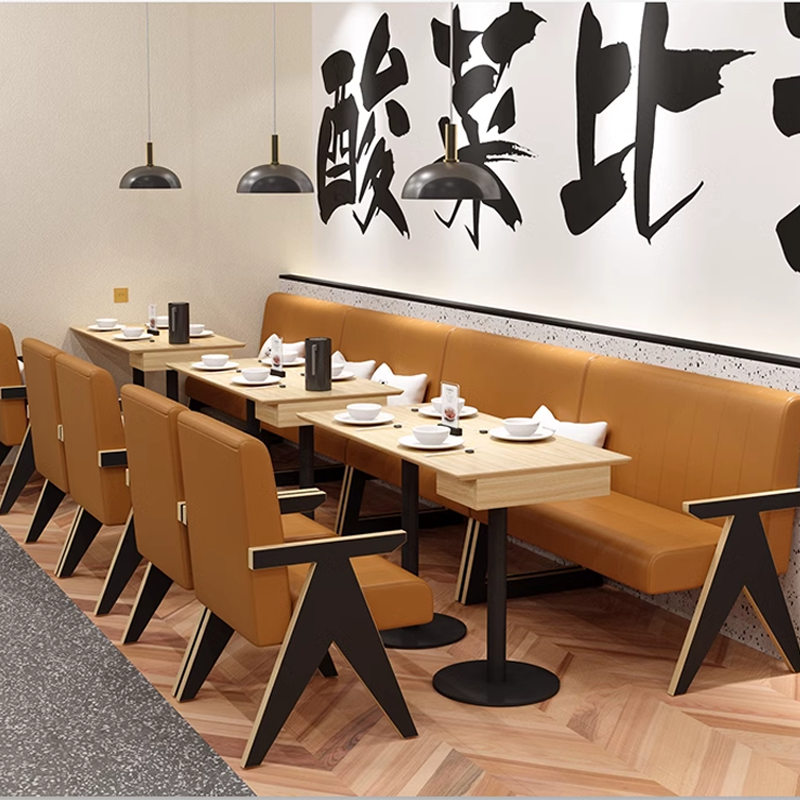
611, 730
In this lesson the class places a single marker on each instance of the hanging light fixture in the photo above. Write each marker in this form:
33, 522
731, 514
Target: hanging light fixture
150, 176
451, 179
274, 178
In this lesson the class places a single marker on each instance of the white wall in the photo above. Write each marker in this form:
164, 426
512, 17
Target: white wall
73, 88
715, 273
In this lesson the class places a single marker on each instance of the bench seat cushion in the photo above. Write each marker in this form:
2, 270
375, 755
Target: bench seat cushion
631, 541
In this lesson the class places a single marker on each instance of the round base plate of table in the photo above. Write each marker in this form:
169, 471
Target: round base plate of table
468, 682
440, 631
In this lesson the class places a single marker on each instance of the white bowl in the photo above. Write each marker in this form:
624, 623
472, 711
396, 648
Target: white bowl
520, 426
290, 354
431, 434
132, 332
215, 359
364, 411
162, 322
255, 374
436, 402
196, 328
105, 322
336, 369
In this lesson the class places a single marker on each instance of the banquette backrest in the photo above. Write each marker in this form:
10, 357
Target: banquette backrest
294, 318
151, 437
90, 415
692, 437
45, 411
13, 417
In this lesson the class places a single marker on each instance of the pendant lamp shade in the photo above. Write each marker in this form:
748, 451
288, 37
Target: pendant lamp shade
274, 178
150, 175
451, 179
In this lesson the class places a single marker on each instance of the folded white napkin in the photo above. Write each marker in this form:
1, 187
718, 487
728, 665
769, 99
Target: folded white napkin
413, 386
361, 369
593, 433
266, 348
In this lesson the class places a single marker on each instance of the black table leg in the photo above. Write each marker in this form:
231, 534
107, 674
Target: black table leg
138, 376
252, 425
495, 681
306, 456
172, 384
443, 629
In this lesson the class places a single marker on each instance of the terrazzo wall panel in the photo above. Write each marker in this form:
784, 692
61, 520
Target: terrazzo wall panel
742, 624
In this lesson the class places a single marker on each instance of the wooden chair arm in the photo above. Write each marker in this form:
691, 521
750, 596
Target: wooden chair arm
743, 503
297, 501
317, 550
13, 393
112, 458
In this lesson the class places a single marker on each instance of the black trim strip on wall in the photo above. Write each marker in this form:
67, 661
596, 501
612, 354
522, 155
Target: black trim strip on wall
624, 333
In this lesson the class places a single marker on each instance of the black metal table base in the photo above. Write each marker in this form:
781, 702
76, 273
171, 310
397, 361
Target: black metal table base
440, 631
468, 682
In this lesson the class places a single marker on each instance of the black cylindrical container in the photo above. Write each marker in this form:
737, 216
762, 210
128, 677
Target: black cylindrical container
178, 323
318, 364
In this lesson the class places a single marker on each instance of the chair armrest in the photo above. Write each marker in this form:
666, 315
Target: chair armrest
13, 393
295, 501
336, 548
728, 506
112, 458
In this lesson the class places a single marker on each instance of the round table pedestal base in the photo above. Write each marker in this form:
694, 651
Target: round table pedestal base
468, 682
441, 630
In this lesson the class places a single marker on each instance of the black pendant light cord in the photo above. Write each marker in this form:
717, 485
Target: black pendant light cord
147, 52
452, 62
274, 78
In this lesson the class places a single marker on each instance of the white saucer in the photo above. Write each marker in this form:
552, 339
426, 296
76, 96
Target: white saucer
430, 411
343, 375
538, 435
200, 335
448, 444
269, 381
122, 338
383, 416
105, 330
201, 365
298, 362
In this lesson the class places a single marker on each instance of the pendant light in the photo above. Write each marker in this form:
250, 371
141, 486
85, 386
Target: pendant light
451, 179
274, 178
150, 176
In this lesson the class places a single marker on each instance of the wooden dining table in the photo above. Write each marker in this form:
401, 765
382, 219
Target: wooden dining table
151, 354
487, 474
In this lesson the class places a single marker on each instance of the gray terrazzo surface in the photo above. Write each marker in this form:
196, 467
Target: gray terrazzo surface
76, 717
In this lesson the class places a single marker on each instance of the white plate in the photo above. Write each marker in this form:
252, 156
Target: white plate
105, 330
122, 338
201, 365
537, 436
200, 335
383, 416
448, 444
270, 381
298, 362
343, 375
430, 411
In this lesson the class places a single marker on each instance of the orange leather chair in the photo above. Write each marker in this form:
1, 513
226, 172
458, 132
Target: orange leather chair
94, 445
14, 429
250, 580
45, 419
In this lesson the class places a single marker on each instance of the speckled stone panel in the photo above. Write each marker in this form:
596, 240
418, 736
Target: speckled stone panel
76, 717
742, 624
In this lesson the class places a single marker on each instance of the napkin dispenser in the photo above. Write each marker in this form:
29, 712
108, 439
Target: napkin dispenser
318, 364
178, 323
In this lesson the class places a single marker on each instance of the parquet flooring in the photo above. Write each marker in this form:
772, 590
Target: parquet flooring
611, 730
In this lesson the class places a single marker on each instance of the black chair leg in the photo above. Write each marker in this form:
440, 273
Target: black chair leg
209, 641
350, 500
5, 449
49, 500
81, 535
123, 565
155, 586
471, 583
21, 473
327, 667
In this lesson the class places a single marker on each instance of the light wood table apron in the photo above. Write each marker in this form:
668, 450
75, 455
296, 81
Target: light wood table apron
496, 476
280, 404
152, 355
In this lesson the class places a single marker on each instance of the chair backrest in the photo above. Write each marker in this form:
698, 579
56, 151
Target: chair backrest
156, 481
92, 422
231, 505
45, 410
13, 416
294, 317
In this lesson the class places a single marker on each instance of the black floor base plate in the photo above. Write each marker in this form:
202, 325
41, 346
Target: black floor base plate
440, 631
468, 682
